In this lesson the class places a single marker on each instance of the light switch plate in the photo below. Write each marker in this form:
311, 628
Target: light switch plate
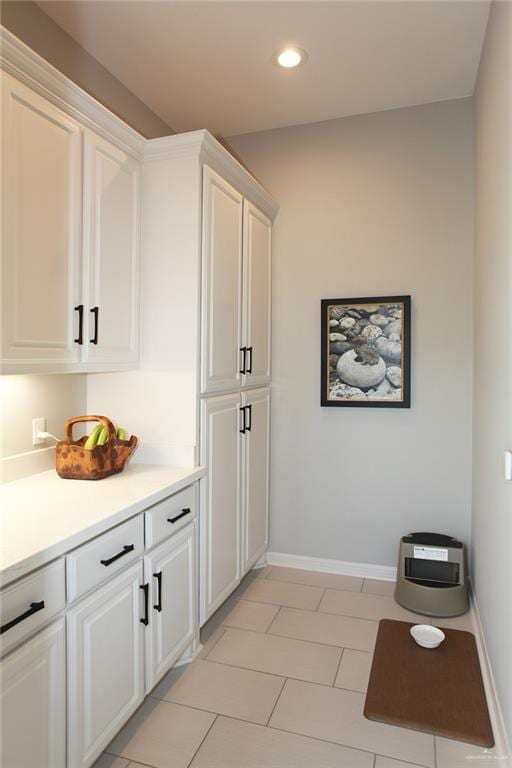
508, 465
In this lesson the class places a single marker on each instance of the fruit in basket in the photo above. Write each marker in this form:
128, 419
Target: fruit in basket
92, 440
103, 436
122, 434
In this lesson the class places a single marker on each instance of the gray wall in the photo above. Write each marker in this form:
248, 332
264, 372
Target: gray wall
32, 26
376, 204
492, 494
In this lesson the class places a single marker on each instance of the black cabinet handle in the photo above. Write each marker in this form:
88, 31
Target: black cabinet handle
95, 311
183, 512
249, 367
249, 408
125, 550
145, 589
80, 309
243, 350
158, 577
242, 413
34, 608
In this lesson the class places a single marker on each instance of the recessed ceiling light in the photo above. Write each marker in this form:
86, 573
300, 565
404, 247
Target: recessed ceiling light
290, 57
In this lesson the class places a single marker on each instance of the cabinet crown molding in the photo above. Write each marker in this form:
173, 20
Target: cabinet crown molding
203, 145
30, 68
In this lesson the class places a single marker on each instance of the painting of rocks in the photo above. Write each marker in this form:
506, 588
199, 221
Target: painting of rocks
366, 352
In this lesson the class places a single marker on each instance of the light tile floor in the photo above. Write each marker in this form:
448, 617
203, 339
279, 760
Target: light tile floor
280, 683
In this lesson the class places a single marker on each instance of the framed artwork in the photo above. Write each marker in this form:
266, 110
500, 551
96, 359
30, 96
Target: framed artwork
366, 352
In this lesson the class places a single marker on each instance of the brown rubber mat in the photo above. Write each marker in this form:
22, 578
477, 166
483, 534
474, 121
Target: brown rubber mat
439, 691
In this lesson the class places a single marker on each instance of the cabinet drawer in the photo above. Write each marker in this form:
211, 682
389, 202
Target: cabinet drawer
31, 602
101, 558
169, 515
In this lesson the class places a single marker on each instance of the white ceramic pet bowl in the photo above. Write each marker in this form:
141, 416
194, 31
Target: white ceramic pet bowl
427, 636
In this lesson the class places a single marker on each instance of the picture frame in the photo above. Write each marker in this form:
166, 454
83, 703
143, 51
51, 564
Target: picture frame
366, 352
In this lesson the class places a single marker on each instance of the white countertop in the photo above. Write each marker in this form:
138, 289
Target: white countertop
44, 516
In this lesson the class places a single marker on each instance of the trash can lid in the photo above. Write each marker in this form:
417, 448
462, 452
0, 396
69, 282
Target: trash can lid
432, 540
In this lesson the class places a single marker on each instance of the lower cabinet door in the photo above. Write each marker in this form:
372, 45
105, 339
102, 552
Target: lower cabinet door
219, 535
255, 463
33, 702
105, 664
171, 571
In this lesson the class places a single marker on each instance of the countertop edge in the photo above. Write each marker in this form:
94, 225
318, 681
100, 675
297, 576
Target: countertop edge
21, 568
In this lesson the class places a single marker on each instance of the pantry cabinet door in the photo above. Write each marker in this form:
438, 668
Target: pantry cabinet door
41, 233
220, 502
33, 702
112, 244
255, 462
256, 312
222, 284
171, 571
105, 664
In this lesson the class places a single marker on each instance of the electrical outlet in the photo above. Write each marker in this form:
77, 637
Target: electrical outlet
38, 425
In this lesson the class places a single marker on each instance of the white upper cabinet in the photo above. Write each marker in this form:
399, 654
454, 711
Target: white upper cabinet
111, 241
222, 284
236, 289
70, 242
256, 293
41, 232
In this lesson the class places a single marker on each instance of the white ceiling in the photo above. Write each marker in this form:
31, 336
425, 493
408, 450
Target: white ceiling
208, 65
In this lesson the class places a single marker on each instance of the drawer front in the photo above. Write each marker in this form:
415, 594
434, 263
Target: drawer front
103, 557
169, 515
30, 603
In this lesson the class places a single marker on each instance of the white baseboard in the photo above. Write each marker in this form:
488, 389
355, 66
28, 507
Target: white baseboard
503, 751
363, 570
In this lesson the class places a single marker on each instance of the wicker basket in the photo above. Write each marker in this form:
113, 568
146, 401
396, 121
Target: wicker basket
73, 462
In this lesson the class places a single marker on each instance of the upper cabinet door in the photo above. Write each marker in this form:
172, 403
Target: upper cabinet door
222, 284
257, 274
41, 232
112, 243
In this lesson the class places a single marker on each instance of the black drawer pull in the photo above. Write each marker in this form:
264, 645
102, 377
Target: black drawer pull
95, 311
145, 589
243, 350
126, 549
249, 407
80, 310
249, 367
183, 512
34, 608
242, 414
158, 577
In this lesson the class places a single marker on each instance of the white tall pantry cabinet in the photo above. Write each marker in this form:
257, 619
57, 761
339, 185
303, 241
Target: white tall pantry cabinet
206, 268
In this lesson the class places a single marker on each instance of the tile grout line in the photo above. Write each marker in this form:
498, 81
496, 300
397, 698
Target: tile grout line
221, 635
321, 599
326, 741
405, 762
276, 674
288, 637
276, 702
338, 668
267, 631
202, 741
